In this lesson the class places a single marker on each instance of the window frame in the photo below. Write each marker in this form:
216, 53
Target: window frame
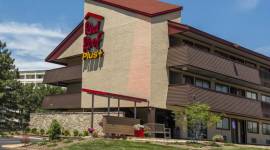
203, 82
222, 128
257, 132
268, 133
223, 85
251, 92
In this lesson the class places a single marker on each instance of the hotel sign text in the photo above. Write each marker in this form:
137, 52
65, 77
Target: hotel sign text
92, 41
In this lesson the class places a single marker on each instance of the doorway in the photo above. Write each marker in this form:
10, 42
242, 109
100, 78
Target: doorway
238, 131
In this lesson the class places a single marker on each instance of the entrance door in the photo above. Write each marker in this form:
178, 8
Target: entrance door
234, 130
243, 131
238, 131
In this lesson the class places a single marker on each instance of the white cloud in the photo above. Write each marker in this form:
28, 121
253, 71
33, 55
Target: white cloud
30, 43
29, 29
247, 5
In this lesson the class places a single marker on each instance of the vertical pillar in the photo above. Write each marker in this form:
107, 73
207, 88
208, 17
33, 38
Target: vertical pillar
118, 108
109, 103
151, 116
92, 114
135, 110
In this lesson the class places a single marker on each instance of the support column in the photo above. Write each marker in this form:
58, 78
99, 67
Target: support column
135, 110
109, 103
92, 113
151, 116
118, 108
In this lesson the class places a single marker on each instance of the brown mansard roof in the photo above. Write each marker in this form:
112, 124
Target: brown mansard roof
149, 8
175, 28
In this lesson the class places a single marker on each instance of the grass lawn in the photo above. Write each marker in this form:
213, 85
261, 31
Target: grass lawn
105, 144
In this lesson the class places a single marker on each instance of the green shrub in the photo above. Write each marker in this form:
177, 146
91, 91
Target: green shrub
54, 130
66, 133
34, 130
42, 131
85, 133
75, 132
218, 138
27, 130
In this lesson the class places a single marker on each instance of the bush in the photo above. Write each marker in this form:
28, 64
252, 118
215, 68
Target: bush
85, 133
27, 130
54, 130
75, 132
34, 130
66, 133
42, 131
218, 138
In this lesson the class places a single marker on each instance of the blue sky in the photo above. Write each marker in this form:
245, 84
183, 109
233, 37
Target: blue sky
33, 28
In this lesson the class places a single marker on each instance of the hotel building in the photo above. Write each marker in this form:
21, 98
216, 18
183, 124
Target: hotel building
31, 77
141, 49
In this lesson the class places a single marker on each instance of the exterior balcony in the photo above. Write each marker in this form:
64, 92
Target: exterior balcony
63, 76
64, 101
186, 57
183, 95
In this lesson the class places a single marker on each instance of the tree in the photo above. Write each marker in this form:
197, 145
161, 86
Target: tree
30, 100
8, 87
199, 117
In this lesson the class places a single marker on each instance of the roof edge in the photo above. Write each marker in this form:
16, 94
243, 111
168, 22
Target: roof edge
70, 38
184, 27
141, 12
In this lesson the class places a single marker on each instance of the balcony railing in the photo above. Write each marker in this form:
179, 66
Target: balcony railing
183, 95
184, 55
64, 101
63, 75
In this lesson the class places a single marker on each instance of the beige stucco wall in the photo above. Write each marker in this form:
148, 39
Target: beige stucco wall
74, 49
135, 56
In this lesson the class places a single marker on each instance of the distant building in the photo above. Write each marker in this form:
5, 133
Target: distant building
33, 76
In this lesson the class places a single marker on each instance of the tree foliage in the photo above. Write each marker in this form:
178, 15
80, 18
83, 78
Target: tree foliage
17, 101
8, 88
54, 130
198, 118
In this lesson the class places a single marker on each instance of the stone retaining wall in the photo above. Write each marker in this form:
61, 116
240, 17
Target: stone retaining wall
68, 120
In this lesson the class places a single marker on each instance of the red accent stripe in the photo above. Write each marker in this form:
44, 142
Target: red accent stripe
113, 95
89, 14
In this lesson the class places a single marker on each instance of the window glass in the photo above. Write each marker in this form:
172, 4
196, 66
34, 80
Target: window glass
223, 124
30, 76
174, 77
202, 83
251, 95
266, 98
39, 76
222, 88
266, 129
252, 127
21, 76
189, 80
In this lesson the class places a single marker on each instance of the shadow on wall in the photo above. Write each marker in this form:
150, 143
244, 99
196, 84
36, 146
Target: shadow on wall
93, 64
